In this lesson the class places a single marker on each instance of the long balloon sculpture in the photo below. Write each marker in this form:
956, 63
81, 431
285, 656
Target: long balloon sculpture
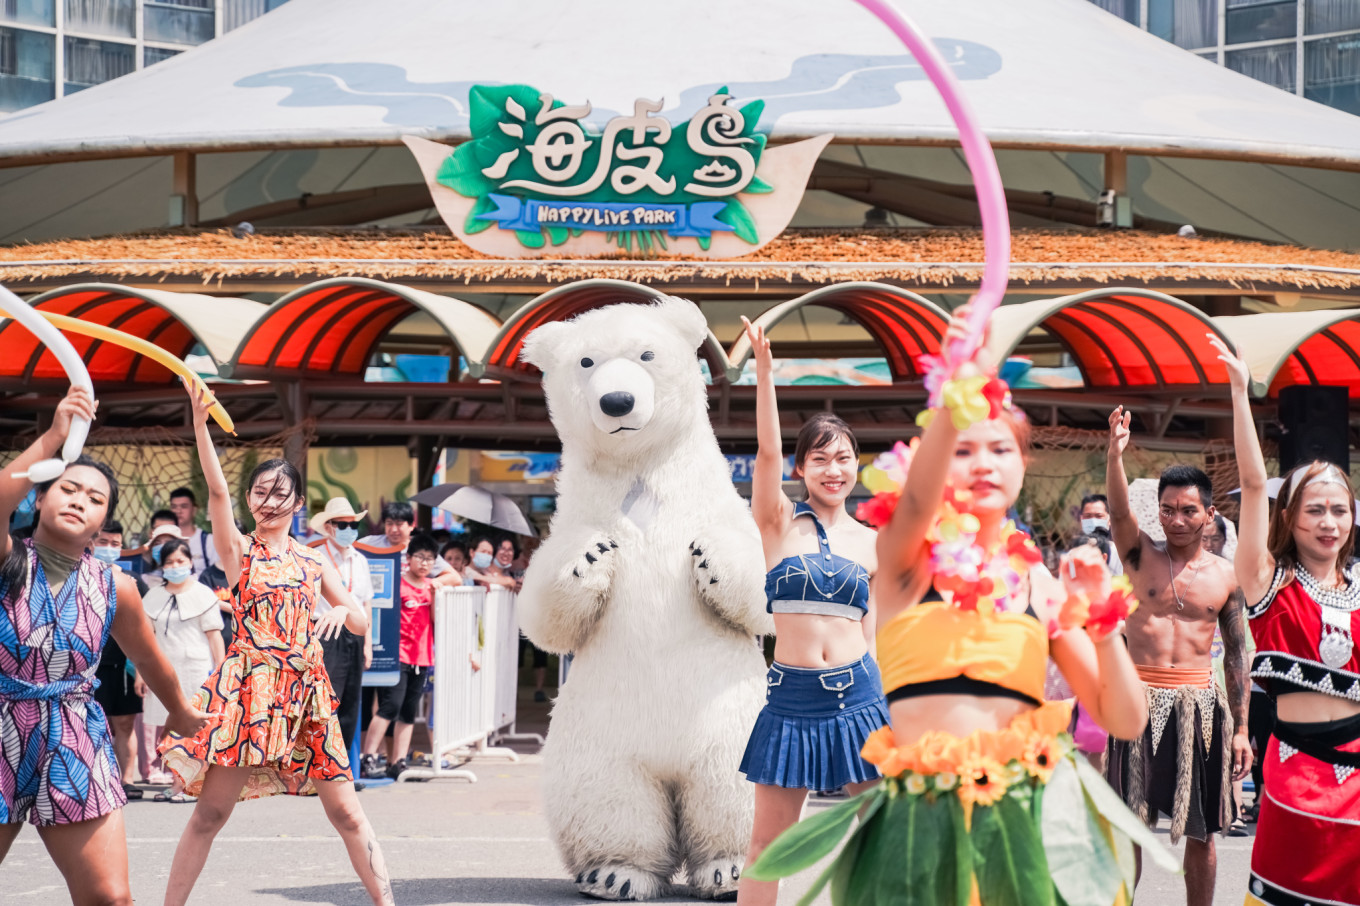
59, 346
150, 350
977, 151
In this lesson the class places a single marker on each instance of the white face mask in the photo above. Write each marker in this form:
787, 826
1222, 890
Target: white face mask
1089, 524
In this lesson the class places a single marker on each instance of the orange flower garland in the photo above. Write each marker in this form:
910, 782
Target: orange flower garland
981, 766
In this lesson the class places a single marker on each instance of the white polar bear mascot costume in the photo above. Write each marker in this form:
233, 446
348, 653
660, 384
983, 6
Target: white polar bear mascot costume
653, 576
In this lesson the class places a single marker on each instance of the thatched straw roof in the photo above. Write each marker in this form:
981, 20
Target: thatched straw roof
927, 259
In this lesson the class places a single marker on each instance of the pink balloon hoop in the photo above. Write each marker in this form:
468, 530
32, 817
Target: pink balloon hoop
977, 151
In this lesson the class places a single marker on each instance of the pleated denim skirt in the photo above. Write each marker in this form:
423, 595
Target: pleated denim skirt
814, 723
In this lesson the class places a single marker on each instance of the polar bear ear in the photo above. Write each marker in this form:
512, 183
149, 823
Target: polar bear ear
543, 346
685, 317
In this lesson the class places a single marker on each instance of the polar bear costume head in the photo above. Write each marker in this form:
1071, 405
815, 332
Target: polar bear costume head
622, 382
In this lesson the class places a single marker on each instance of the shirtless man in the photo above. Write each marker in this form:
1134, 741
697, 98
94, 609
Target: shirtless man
1196, 738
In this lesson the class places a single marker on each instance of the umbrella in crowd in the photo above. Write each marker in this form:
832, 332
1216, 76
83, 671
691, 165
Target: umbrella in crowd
472, 502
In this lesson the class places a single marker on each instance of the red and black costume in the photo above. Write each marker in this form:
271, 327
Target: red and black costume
1309, 826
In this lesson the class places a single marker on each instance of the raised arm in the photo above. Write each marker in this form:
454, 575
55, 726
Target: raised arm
1123, 527
770, 506
13, 490
1254, 565
229, 543
899, 542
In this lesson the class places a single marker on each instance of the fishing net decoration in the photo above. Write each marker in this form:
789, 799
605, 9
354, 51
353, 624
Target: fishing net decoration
151, 462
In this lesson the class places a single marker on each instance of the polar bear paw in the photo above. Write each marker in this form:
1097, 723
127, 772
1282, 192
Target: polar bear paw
705, 573
594, 568
716, 880
618, 882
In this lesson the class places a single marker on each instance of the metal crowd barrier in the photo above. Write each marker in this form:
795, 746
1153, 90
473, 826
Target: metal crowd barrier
468, 706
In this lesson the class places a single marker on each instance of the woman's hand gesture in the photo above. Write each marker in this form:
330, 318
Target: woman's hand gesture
760, 346
1084, 572
200, 401
78, 403
1239, 375
957, 331
330, 624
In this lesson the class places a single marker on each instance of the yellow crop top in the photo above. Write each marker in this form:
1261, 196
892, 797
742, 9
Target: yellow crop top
935, 648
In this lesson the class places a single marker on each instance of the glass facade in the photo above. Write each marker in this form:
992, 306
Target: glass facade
51, 48
1306, 47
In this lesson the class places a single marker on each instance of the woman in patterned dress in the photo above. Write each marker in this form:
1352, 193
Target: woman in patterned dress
276, 730
58, 608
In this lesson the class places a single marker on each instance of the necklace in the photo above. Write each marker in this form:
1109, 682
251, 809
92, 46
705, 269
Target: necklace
1171, 572
1336, 604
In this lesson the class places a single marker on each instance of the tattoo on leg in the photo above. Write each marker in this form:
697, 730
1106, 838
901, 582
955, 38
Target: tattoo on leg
379, 867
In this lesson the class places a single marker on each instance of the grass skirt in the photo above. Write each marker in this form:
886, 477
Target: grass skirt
997, 817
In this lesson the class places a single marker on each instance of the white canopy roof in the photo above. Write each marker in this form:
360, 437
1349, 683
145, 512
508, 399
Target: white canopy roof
1042, 73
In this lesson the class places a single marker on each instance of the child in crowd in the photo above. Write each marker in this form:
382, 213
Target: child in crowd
416, 654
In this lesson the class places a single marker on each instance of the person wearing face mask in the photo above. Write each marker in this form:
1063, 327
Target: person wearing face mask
117, 692
482, 570
188, 626
1094, 516
348, 654
825, 695
163, 528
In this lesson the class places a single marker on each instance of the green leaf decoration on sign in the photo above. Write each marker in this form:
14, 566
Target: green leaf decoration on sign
472, 224
806, 842
1008, 856
530, 239
558, 235
460, 173
705, 242
741, 221
1080, 861
758, 186
1113, 810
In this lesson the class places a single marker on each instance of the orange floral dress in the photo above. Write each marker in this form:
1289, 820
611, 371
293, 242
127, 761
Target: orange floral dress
271, 699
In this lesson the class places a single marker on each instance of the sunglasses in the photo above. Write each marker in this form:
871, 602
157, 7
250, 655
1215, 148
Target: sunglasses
343, 525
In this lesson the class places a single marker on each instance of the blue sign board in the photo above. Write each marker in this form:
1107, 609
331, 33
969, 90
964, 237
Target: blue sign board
385, 568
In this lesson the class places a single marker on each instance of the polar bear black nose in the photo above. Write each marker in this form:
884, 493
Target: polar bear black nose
617, 403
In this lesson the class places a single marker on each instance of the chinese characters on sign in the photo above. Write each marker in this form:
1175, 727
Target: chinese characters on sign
536, 169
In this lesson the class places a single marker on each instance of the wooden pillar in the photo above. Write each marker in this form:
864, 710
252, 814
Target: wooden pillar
184, 190
426, 451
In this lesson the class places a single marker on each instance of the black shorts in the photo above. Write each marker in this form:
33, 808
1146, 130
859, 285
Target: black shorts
115, 693
402, 701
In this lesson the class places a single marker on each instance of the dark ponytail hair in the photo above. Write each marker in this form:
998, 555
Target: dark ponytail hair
14, 568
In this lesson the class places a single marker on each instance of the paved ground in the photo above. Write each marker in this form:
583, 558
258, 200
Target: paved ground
446, 841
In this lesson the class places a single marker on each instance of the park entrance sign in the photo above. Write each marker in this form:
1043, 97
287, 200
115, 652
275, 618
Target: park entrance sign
535, 179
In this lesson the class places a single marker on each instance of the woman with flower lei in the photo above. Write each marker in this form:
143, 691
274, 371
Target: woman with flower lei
983, 801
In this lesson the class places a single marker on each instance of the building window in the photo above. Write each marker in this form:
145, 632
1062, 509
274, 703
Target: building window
152, 55
94, 62
1331, 72
1186, 23
1274, 65
102, 17
1323, 16
1261, 20
29, 12
178, 21
27, 74
1124, 9
236, 13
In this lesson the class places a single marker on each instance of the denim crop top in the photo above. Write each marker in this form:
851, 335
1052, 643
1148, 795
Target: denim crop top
821, 583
